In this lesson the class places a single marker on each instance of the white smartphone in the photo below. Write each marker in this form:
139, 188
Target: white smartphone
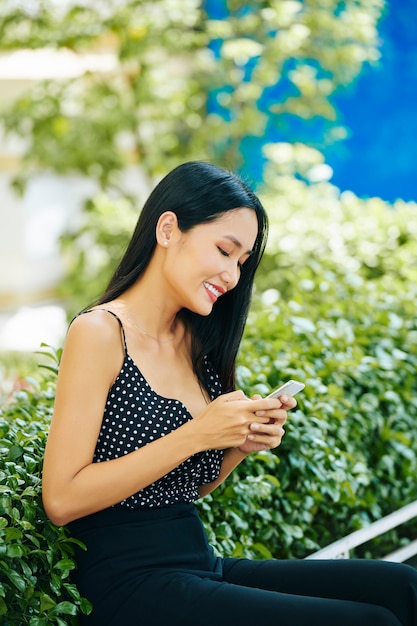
289, 388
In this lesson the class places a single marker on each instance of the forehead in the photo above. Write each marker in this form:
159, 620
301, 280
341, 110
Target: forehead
240, 224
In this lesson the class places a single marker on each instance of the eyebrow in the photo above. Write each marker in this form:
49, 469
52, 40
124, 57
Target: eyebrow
237, 243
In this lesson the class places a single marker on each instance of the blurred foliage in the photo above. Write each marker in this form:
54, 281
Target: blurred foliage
151, 106
92, 251
176, 86
14, 368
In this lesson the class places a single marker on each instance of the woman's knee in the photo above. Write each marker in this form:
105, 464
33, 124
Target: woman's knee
379, 616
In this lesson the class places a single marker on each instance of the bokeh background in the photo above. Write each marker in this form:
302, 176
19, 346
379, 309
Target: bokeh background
242, 84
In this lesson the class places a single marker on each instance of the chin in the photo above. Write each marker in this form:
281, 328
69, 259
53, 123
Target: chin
204, 311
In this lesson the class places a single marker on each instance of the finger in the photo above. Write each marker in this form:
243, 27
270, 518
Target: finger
260, 419
268, 442
232, 396
288, 402
268, 408
265, 404
275, 417
271, 430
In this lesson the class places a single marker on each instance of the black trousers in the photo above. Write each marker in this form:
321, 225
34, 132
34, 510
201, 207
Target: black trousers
155, 568
281, 593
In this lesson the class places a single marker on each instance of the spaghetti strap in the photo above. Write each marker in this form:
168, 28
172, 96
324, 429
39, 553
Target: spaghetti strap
114, 315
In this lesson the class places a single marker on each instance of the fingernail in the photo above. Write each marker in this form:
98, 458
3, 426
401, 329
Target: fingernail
255, 426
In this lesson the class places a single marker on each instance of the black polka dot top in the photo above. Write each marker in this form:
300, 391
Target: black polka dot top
134, 416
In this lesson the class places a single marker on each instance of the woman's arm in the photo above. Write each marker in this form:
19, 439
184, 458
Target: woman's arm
74, 486
262, 437
231, 459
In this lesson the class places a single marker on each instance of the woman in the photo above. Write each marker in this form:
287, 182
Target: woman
147, 420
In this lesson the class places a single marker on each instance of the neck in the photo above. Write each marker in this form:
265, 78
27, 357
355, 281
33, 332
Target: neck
149, 306
142, 331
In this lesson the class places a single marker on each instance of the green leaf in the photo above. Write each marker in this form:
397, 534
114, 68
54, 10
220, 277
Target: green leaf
15, 578
15, 453
64, 564
46, 602
64, 608
3, 607
15, 551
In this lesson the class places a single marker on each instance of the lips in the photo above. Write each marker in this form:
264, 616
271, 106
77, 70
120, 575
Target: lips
214, 292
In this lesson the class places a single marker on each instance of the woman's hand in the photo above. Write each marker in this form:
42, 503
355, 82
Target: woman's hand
268, 436
228, 421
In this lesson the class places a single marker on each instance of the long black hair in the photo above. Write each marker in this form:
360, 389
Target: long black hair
199, 192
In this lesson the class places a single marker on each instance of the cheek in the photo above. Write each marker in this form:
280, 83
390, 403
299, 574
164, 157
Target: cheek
196, 259
183, 268
193, 261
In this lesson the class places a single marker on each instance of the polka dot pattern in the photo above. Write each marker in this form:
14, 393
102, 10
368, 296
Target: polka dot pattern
134, 416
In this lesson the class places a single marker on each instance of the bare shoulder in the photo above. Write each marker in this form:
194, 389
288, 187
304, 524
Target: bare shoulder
97, 322
95, 336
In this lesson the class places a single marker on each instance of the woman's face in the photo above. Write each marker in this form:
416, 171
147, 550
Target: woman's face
205, 262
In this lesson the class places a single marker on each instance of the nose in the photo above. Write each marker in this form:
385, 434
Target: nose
231, 276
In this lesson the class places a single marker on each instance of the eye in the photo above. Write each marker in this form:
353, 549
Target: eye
223, 252
242, 263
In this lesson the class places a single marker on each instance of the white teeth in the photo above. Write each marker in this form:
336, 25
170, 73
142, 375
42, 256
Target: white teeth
213, 290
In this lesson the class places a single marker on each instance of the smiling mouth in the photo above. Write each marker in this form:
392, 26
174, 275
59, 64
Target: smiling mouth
216, 293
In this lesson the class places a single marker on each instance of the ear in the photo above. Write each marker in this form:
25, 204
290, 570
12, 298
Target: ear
166, 228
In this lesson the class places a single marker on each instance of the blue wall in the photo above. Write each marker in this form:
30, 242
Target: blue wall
380, 110
379, 158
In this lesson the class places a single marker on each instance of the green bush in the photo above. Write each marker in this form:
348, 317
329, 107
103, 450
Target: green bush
36, 557
335, 308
